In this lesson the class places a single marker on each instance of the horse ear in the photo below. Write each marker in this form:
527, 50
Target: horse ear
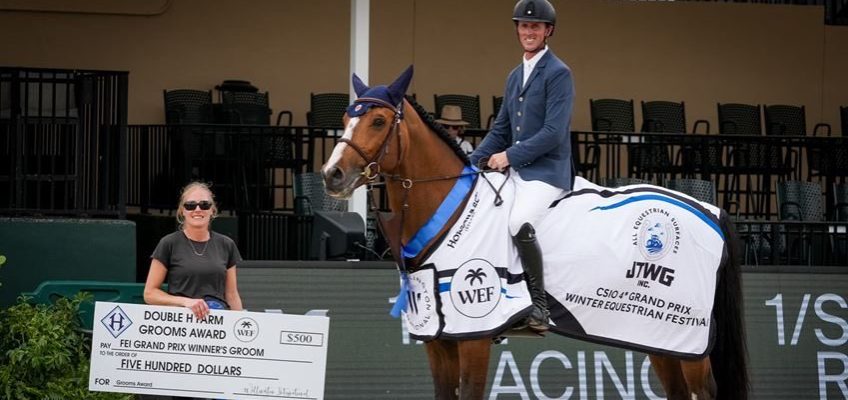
358, 87
398, 88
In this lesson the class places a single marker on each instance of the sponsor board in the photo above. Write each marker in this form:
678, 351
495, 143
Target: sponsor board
160, 350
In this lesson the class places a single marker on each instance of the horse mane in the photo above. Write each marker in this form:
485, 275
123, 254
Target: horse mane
440, 131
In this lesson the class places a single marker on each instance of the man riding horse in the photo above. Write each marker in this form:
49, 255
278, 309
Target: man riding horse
531, 139
458, 296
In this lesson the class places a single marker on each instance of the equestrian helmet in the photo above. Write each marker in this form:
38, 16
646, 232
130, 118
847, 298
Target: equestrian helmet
534, 10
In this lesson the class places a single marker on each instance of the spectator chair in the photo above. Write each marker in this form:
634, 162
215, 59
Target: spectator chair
700, 189
326, 110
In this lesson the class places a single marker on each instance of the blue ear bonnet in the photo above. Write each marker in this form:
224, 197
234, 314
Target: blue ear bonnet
375, 96
382, 96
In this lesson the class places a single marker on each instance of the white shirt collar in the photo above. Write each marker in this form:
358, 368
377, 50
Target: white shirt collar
531, 63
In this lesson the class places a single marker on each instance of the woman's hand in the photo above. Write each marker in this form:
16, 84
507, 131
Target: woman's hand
198, 307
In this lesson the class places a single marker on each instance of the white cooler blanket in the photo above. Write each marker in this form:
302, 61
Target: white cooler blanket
634, 267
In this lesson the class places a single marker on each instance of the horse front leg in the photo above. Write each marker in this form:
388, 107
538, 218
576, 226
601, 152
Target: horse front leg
473, 368
671, 377
444, 367
699, 378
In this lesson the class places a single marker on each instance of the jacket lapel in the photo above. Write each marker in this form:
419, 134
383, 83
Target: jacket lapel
536, 71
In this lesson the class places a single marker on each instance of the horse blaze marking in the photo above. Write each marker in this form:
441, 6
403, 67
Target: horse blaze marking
480, 295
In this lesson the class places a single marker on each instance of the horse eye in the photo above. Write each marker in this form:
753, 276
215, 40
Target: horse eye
379, 122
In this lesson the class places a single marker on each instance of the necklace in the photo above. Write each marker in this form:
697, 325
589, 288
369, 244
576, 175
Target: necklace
194, 249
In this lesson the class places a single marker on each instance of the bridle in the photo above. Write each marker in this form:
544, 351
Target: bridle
372, 171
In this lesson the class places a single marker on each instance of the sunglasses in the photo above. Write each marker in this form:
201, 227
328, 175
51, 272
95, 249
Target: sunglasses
192, 205
453, 127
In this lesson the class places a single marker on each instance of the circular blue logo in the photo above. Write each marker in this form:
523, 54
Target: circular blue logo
657, 234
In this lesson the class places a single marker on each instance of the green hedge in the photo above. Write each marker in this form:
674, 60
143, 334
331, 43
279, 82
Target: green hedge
44, 354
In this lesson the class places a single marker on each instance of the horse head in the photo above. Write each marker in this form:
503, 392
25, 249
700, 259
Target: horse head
371, 143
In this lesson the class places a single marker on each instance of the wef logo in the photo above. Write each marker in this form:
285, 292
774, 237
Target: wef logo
116, 321
246, 329
476, 288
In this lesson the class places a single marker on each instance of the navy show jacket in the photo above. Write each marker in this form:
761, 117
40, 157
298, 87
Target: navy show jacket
533, 123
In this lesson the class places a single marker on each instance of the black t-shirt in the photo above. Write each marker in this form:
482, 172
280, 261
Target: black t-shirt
196, 269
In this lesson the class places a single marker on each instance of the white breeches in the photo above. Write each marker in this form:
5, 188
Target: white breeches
532, 199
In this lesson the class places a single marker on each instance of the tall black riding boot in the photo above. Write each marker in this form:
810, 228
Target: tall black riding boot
531, 259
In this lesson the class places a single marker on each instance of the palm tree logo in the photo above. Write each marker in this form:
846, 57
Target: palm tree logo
475, 274
246, 329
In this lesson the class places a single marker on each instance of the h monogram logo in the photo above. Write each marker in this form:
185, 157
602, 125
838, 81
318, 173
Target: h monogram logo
116, 321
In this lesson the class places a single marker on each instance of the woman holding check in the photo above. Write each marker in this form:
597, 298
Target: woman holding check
198, 264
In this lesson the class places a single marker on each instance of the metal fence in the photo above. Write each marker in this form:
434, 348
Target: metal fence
61, 141
253, 170
794, 243
743, 169
250, 167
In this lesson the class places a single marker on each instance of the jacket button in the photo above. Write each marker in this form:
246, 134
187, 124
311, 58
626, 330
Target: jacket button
519, 113
517, 141
518, 128
521, 99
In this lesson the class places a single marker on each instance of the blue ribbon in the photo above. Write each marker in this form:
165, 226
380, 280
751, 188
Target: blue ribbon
430, 229
402, 297
443, 213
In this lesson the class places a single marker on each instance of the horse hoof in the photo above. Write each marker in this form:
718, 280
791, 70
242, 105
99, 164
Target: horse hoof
538, 326
524, 332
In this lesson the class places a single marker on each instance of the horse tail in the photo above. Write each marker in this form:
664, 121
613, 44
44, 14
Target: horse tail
729, 355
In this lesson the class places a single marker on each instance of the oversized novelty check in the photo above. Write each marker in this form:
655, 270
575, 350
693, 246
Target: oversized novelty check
228, 355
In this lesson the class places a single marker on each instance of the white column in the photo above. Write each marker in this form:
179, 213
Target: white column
359, 29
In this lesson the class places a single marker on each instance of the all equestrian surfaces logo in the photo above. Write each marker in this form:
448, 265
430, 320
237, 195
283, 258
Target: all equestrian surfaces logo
656, 233
476, 288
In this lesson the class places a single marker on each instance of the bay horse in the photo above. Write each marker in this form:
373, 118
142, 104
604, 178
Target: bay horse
390, 136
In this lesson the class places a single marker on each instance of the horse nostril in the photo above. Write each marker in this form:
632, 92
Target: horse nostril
333, 176
337, 175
